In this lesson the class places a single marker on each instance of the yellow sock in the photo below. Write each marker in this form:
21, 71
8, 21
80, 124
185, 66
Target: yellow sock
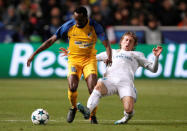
72, 96
93, 113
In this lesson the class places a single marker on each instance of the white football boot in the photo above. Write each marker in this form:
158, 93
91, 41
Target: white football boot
125, 119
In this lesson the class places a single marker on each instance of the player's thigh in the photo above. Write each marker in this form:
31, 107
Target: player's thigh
90, 67
74, 69
125, 90
109, 85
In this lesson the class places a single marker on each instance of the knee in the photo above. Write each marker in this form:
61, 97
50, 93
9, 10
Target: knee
73, 87
91, 82
101, 88
98, 87
73, 82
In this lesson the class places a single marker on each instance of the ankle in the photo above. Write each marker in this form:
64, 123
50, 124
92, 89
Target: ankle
129, 113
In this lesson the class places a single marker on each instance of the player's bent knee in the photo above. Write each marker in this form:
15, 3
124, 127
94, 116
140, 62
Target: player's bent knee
73, 82
97, 87
101, 88
73, 87
91, 81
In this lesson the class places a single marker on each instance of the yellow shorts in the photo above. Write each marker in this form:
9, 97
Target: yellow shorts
85, 66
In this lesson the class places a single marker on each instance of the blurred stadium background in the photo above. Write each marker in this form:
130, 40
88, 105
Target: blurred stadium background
25, 24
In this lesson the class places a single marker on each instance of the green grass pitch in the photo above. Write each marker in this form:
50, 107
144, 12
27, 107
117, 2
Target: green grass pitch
161, 106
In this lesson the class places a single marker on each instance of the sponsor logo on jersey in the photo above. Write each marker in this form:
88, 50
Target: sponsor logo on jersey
83, 44
124, 56
78, 42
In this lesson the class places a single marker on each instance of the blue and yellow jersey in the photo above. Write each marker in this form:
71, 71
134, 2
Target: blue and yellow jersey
82, 40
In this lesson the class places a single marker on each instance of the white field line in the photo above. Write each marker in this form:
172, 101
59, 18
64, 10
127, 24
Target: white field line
146, 121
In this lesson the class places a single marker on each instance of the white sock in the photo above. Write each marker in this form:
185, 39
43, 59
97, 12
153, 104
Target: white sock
128, 115
93, 100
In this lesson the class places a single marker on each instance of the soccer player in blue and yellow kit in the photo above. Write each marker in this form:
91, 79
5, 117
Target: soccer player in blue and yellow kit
82, 34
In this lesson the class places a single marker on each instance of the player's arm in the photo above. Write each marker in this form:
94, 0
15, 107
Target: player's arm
152, 66
108, 51
102, 36
44, 46
101, 56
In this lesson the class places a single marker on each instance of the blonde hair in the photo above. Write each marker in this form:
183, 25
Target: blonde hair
133, 35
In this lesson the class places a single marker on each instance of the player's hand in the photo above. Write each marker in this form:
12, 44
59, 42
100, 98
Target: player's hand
30, 60
63, 51
157, 51
108, 62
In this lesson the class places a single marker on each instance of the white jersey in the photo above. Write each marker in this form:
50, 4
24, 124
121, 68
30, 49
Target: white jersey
124, 65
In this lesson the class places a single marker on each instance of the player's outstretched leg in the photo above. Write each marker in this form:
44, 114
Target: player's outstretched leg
84, 110
92, 103
125, 119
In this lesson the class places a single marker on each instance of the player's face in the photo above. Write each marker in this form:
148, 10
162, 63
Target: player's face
80, 20
127, 43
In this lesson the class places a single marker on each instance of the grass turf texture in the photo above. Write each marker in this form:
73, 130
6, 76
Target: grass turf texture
161, 106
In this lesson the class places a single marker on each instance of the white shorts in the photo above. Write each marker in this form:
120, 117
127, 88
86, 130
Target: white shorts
120, 88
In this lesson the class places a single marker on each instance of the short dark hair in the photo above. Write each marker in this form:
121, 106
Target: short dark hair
81, 10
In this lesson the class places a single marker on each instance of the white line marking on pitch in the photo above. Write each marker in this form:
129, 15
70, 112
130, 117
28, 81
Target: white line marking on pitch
167, 121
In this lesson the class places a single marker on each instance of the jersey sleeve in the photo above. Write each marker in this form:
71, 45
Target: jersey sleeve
99, 30
101, 56
142, 60
152, 66
64, 28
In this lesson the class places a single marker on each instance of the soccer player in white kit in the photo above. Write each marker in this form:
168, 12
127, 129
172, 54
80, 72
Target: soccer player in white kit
119, 77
